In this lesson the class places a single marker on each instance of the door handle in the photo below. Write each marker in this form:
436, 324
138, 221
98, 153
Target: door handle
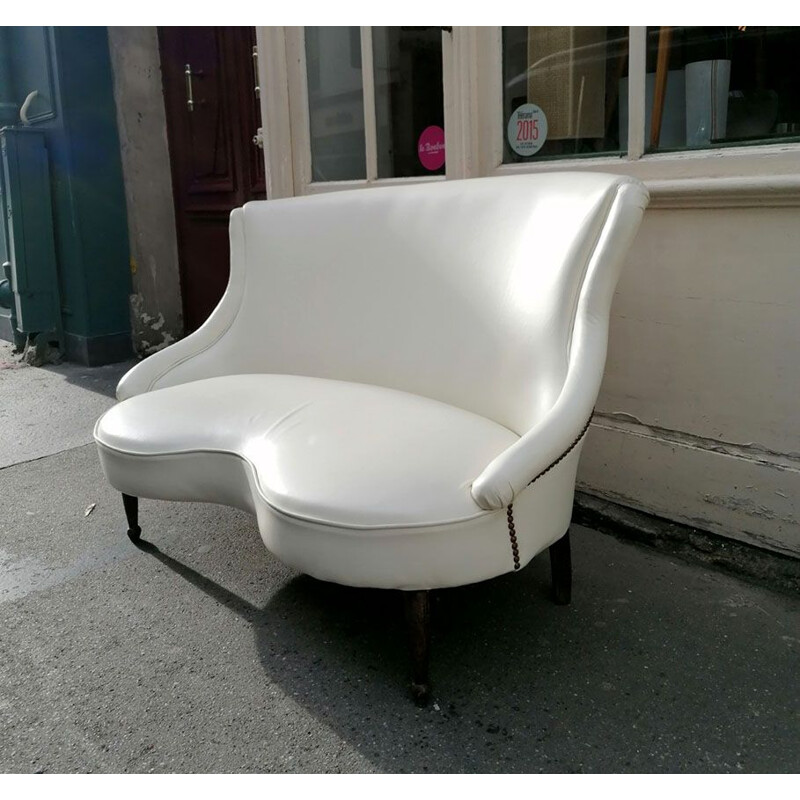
187, 71
23, 112
255, 71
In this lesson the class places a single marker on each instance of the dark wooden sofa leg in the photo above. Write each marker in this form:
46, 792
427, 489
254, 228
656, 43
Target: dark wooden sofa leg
561, 570
132, 513
418, 621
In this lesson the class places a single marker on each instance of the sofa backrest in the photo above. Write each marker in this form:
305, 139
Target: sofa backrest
462, 291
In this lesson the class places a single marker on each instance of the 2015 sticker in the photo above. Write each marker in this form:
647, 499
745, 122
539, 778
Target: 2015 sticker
527, 130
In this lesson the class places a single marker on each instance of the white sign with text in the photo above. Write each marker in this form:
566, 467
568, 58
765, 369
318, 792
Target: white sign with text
527, 130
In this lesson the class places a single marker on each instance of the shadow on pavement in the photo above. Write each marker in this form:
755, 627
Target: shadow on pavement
613, 683
102, 380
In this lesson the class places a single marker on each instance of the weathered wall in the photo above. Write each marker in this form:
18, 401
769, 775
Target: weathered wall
156, 315
697, 420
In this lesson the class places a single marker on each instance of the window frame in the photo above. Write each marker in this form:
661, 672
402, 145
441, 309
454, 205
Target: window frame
767, 174
300, 128
728, 176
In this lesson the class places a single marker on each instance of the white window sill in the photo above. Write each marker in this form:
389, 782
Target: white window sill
323, 187
766, 175
743, 177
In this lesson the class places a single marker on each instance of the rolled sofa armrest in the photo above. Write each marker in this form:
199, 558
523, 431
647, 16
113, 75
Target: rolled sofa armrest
153, 372
540, 448
558, 431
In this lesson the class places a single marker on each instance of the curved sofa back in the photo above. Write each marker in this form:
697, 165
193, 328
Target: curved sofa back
462, 291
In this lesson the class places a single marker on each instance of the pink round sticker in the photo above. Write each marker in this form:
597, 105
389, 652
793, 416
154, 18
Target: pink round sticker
430, 147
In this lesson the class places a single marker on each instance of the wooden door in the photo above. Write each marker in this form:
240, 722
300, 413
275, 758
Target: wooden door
213, 114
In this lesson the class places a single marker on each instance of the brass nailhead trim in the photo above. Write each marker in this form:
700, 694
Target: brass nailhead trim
512, 534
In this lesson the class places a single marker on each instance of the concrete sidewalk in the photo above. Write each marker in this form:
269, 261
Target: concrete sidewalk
203, 653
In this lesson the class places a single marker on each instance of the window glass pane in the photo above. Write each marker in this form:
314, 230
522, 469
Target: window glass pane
563, 91
722, 86
409, 102
335, 103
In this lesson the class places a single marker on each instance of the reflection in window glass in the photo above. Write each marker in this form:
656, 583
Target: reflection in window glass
721, 85
409, 103
562, 91
335, 103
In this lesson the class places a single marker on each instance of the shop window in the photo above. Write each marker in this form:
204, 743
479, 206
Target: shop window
565, 89
375, 103
724, 86
562, 88
409, 102
335, 103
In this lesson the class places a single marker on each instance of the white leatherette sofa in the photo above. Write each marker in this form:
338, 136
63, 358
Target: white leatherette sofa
396, 383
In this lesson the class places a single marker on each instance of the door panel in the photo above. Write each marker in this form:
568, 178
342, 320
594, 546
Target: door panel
210, 163
206, 251
212, 116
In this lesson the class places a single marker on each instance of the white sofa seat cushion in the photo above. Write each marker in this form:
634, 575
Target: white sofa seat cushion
327, 452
